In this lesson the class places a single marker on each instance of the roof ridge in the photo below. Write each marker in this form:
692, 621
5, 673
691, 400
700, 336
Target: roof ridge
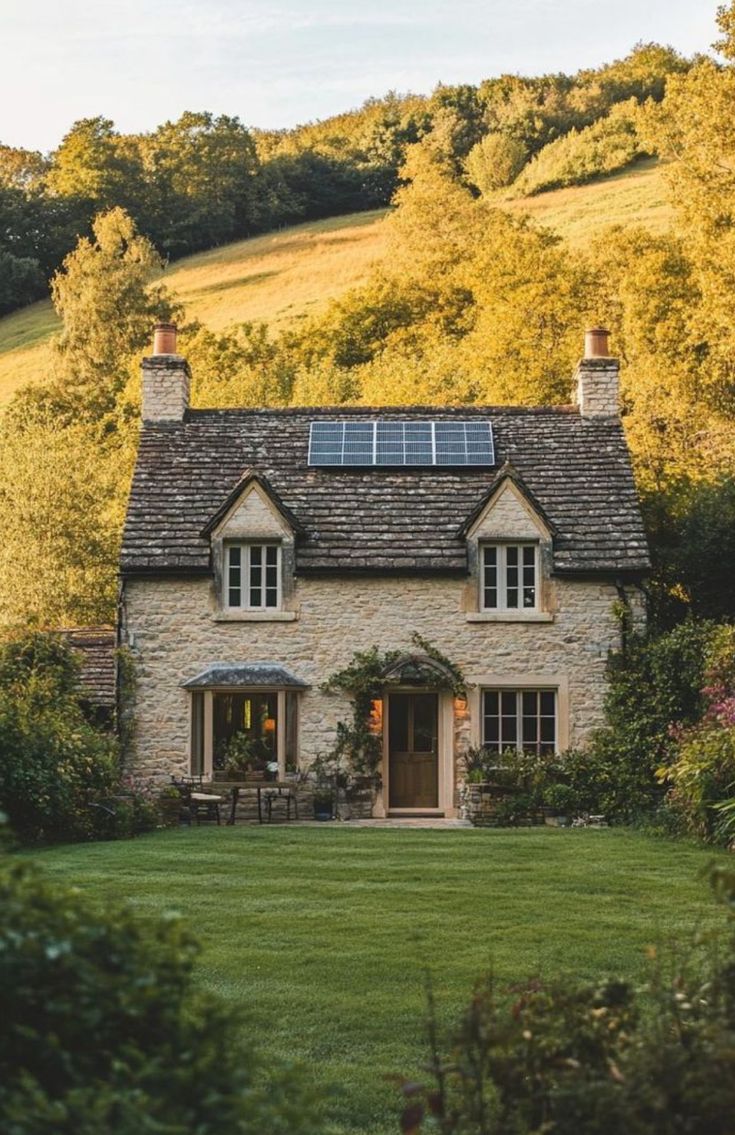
473, 410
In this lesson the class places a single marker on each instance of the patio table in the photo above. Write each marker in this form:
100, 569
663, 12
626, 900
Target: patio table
278, 788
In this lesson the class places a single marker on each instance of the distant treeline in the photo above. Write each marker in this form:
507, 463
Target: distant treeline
204, 180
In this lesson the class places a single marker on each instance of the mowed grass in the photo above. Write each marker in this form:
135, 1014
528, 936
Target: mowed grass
278, 278
323, 934
636, 196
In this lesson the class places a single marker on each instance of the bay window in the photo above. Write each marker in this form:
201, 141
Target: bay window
237, 732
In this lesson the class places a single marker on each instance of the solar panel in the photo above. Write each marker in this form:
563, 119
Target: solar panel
401, 443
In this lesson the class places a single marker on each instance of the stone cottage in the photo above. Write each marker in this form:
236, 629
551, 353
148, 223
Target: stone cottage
264, 548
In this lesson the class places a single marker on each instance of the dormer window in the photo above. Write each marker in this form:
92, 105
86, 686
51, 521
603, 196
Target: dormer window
509, 577
253, 576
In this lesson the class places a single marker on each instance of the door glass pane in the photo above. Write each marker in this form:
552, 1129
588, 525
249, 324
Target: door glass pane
398, 712
424, 723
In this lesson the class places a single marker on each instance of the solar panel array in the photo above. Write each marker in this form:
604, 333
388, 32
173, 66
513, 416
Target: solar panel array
396, 443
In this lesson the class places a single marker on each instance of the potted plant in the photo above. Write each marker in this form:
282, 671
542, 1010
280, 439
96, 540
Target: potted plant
245, 758
559, 802
323, 802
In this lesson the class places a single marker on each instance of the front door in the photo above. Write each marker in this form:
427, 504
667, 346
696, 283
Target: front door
413, 750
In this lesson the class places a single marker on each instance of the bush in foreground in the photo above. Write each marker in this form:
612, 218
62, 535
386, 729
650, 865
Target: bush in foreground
103, 1034
565, 1058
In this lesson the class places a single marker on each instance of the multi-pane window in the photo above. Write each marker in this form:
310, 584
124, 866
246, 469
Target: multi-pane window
519, 719
509, 580
253, 576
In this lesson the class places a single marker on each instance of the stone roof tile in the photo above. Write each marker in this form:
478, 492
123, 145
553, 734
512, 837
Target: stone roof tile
367, 519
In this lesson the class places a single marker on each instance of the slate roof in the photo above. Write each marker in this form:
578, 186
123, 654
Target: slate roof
96, 649
239, 674
368, 519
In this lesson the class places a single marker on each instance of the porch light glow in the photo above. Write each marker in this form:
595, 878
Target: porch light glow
376, 716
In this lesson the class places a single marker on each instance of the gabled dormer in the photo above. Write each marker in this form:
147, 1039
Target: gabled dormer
253, 537
509, 554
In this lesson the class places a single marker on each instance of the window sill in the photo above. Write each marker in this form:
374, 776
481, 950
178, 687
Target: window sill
255, 617
510, 617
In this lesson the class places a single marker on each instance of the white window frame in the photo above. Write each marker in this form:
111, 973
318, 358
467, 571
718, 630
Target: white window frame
518, 692
501, 552
245, 604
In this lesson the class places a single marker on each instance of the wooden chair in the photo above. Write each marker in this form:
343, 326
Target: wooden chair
197, 805
286, 794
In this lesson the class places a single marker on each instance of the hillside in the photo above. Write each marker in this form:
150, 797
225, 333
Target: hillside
284, 276
279, 278
636, 196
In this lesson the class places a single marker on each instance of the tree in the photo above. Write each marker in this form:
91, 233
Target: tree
99, 166
494, 162
62, 494
202, 173
108, 303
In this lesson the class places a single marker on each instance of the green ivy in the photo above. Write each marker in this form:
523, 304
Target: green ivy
358, 750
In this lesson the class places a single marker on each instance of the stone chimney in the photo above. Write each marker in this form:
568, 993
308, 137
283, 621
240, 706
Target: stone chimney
597, 377
166, 378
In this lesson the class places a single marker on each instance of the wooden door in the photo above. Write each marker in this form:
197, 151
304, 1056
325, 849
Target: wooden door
413, 750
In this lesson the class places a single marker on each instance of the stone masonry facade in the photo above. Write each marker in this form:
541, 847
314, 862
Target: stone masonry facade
174, 632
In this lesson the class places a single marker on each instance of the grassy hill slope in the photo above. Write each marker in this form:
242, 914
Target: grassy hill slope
636, 196
280, 277
283, 277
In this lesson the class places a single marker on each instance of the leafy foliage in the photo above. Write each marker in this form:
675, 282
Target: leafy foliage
579, 156
567, 1056
495, 161
102, 1030
702, 773
55, 768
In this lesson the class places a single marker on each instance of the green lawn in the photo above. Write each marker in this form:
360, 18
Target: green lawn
323, 933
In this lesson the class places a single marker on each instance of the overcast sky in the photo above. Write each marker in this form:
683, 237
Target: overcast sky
280, 62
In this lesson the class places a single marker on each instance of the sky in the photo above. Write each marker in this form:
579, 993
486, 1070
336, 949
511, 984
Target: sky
276, 63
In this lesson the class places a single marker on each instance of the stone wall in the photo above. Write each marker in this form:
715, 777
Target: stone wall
597, 388
172, 629
165, 388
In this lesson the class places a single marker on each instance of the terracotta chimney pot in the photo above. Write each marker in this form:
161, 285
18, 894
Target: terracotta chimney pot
597, 343
164, 339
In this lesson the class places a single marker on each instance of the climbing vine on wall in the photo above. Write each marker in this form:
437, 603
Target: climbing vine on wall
358, 747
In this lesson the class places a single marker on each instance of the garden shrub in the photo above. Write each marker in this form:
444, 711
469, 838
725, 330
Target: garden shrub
702, 775
654, 684
607, 145
103, 1031
607, 1059
54, 765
